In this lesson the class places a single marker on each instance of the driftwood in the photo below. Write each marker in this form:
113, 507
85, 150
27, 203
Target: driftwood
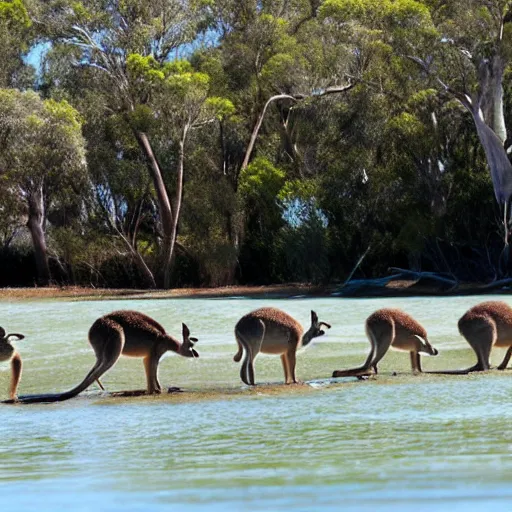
366, 287
443, 278
496, 285
424, 283
377, 287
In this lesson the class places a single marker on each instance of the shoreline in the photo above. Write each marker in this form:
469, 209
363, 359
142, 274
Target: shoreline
358, 289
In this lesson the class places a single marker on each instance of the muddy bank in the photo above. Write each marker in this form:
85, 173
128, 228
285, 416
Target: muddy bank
384, 287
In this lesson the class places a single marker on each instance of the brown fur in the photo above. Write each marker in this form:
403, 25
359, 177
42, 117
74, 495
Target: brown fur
276, 317
399, 318
486, 325
272, 331
389, 327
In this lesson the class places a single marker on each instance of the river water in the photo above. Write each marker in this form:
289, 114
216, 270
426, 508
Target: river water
397, 442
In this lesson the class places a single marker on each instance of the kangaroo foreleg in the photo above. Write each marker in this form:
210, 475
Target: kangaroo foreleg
286, 368
416, 362
292, 361
151, 367
16, 366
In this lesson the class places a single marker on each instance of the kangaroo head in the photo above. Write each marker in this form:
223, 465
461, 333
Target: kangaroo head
425, 347
5, 338
316, 326
187, 347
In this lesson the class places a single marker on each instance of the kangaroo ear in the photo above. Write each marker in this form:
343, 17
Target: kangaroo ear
314, 317
18, 336
421, 339
2, 332
193, 340
185, 330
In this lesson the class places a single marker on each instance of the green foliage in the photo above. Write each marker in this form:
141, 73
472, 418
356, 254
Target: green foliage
302, 252
394, 164
15, 35
298, 189
146, 68
43, 139
398, 12
407, 125
261, 179
344, 10
142, 118
221, 108
15, 14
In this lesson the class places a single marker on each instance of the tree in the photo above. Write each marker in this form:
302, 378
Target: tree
42, 155
271, 59
15, 38
473, 51
463, 48
130, 45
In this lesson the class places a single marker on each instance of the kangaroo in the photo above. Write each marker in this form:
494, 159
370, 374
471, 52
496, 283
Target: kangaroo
272, 331
394, 328
486, 325
8, 353
131, 334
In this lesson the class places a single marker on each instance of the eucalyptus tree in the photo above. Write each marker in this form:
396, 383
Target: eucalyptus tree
473, 53
463, 49
272, 59
131, 46
16, 35
42, 155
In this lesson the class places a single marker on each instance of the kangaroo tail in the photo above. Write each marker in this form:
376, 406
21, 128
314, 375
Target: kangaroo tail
476, 368
365, 368
59, 397
238, 356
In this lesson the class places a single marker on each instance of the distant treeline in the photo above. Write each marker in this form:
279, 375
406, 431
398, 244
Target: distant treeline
205, 143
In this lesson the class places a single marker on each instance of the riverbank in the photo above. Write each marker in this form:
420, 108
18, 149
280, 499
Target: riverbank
83, 293
385, 287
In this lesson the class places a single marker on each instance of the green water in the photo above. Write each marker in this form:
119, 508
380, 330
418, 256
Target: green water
395, 443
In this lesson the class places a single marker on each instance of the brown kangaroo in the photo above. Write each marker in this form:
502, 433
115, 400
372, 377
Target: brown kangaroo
486, 325
272, 331
394, 328
131, 334
8, 353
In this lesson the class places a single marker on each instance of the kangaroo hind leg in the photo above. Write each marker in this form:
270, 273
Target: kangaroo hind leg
108, 354
251, 342
361, 370
382, 336
506, 359
480, 333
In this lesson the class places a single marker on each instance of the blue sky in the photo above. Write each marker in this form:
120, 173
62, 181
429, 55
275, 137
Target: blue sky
36, 54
